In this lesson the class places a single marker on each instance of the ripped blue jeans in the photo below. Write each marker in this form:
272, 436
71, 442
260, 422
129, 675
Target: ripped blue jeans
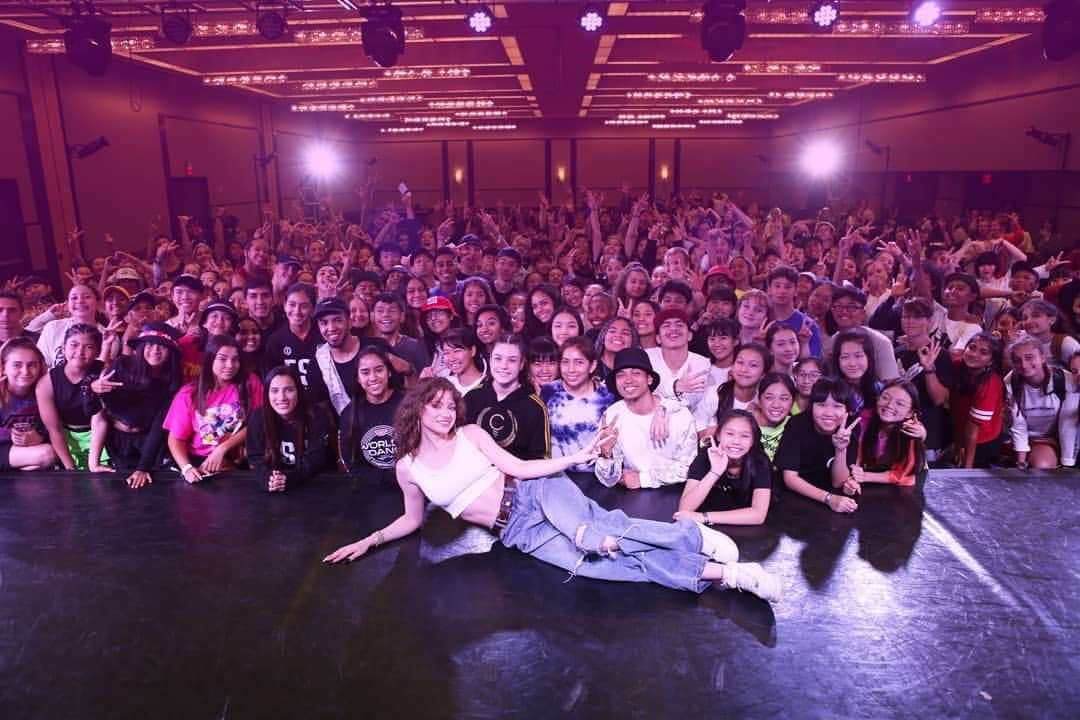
549, 512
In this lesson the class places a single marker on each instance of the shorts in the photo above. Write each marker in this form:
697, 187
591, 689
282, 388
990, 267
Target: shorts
78, 443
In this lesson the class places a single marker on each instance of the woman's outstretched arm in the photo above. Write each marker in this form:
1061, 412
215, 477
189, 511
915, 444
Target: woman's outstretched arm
516, 467
408, 523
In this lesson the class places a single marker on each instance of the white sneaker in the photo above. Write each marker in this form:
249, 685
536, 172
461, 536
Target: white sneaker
753, 578
718, 546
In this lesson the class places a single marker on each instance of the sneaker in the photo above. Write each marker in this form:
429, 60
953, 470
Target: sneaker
752, 578
717, 546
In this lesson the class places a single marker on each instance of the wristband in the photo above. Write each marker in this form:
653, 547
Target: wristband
183, 470
705, 519
828, 497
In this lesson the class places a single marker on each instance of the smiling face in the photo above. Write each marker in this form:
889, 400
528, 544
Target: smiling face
542, 306
721, 347
488, 327
437, 321
82, 304
828, 415
458, 359
506, 365
284, 395
852, 360
22, 368
387, 318
632, 383
894, 405
563, 327
473, 297
785, 347
776, 401
914, 326
544, 370
576, 369
226, 365
1029, 362
439, 415
155, 354
735, 438
752, 314
978, 355
80, 350
248, 336
1036, 321
373, 376
334, 329
218, 322
618, 337
748, 368
298, 309
805, 377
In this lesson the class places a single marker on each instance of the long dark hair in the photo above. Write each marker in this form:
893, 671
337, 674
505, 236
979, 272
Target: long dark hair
206, 382
754, 464
898, 446
407, 418
967, 381
350, 445
533, 325
866, 387
725, 394
302, 417
136, 373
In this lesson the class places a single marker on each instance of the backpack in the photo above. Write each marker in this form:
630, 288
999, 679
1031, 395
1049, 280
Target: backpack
1057, 386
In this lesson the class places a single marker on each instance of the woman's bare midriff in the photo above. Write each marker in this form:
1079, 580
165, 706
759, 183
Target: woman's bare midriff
485, 509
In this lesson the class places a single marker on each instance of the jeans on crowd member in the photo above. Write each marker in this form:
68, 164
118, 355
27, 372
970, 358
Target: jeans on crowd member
545, 520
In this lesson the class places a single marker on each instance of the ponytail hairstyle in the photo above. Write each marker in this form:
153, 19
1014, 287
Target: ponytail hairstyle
754, 464
350, 444
726, 392
80, 329
519, 342
302, 416
206, 381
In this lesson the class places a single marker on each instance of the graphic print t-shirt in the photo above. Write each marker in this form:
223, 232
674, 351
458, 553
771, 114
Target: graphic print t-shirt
223, 418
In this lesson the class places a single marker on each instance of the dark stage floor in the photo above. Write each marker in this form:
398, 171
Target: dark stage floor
211, 602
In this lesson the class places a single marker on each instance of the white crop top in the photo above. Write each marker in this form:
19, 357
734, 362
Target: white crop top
465, 478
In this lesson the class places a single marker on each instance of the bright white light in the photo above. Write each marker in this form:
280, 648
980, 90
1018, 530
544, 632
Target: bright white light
322, 162
825, 14
926, 13
480, 20
591, 20
821, 158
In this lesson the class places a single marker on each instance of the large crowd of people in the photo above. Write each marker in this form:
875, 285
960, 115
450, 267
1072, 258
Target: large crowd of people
732, 351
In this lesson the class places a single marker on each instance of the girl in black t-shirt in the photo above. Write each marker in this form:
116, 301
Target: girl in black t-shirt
290, 438
367, 437
68, 406
733, 472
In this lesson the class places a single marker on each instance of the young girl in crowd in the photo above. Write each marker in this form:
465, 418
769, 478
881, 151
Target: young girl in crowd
516, 305
475, 293
731, 473
1042, 401
290, 438
465, 364
366, 434
616, 335
643, 316
23, 440
416, 294
783, 343
891, 449
853, 363
438, 317
136, 391
818, 447
540, 309
543, 361
632, 286
82, 305
721, 337
506, 405
776, 399
977, 401
463, 470
752, 312
750, 363
575, 402
566, 324
922, 361
807, 372
249, 340
492, 321
207, 420
217, 318
67, 405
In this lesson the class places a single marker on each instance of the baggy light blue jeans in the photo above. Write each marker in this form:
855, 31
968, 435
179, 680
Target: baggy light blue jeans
548, 513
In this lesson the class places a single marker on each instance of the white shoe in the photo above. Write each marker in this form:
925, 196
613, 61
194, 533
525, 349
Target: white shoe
718, 546
753, 578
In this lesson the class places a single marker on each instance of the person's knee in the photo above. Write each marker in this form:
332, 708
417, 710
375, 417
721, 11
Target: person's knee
1043, 457
44, 456
588, 540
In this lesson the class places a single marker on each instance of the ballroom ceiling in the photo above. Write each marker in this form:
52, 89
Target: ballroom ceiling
536, 63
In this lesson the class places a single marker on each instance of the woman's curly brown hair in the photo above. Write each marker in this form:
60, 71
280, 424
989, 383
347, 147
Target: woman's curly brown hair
407, 420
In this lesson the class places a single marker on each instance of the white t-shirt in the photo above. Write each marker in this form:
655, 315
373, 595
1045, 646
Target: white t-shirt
657, 464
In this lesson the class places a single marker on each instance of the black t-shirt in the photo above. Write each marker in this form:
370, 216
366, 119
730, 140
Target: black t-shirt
277, 320
809, 453
285, 348
724, 494
369, 450
518, 422
934, 417
347, 372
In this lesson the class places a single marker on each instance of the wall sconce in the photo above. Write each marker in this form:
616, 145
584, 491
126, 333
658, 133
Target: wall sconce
560, 172
664, 172
459, 175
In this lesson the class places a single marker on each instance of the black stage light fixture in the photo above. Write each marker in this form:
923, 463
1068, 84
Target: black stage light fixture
176, 25
824, 14
382, 34
723, 28
88, 43
1061, 29
271, 24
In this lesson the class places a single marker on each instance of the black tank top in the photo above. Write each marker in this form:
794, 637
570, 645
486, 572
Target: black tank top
76, 403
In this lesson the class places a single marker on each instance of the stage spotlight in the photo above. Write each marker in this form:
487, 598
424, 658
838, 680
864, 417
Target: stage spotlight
321, 162
824, 15
175, 26
821, 158
382, 34
271, 25
925, 13
591, 18
88, 44
1061, 29
480, 19
723, 28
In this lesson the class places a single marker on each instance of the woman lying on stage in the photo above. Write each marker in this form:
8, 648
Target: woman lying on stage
461, 469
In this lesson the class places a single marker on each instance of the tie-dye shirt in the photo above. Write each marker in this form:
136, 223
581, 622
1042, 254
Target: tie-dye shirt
574, 420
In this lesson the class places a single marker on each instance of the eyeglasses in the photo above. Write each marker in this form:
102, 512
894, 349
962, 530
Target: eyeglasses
846, 308
809, 375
